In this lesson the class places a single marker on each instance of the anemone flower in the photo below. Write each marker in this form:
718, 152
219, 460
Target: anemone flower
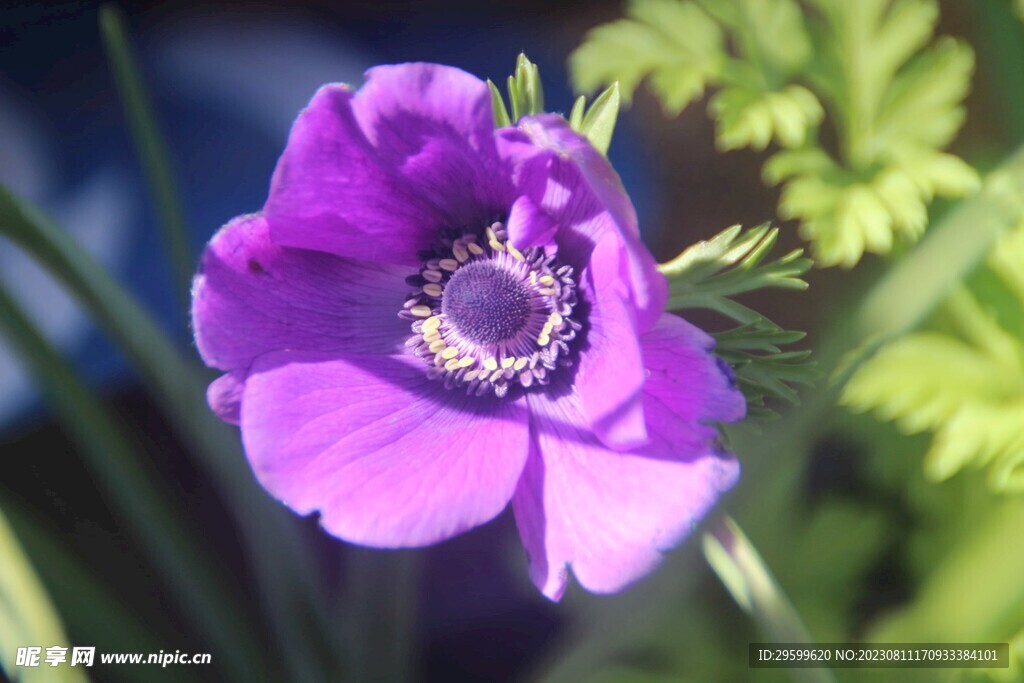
431, 318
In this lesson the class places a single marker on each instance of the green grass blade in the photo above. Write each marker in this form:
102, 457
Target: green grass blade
380, 602
27, 617
142, 507
89, 606
150, 146
291, 586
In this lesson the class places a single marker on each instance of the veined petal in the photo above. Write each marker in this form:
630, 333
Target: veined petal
377, 174
563, 173
252, 297
388, 457
691, 386
608, 515
610, 376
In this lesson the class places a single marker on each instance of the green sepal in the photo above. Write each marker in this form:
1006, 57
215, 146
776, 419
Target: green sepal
525, 94
599, 123
501, 118
576, 115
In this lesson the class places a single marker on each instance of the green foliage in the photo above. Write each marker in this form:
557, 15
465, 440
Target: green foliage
527, 97
965, 385
708, 274
674, 44
133, 491
892, 95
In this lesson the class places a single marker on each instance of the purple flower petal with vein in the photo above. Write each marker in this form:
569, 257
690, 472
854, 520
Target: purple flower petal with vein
431, 319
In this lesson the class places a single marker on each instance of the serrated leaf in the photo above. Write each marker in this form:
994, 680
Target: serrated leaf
779, 34
599, 123
844, 216
969, 392
708, 273
747, 117
861, 47
770, 33
895, 106
922, 107
922, 380
796, 162
675, 45
894, 97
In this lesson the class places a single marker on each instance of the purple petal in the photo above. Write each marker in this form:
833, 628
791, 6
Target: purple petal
376, 174
610, 377
252, 297
388, 457
608, 515
686, 379
433, 126
611, 515
530, 225
576, 186
225, 396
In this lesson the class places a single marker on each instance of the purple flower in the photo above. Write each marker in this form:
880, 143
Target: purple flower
431, 318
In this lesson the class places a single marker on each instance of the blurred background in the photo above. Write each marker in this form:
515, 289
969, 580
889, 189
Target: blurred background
839, 509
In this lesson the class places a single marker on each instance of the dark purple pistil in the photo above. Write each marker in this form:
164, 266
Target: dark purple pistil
486, 304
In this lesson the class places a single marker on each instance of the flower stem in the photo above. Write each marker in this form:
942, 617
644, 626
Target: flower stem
740, 568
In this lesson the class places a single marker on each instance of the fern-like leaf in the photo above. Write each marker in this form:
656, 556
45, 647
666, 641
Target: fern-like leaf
708, 274
893, 94
675, 45
968, 390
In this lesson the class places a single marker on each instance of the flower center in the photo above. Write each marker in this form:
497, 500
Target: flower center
487, 317
486, 303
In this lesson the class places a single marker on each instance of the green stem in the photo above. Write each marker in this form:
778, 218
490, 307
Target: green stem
149, 143
740, 568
